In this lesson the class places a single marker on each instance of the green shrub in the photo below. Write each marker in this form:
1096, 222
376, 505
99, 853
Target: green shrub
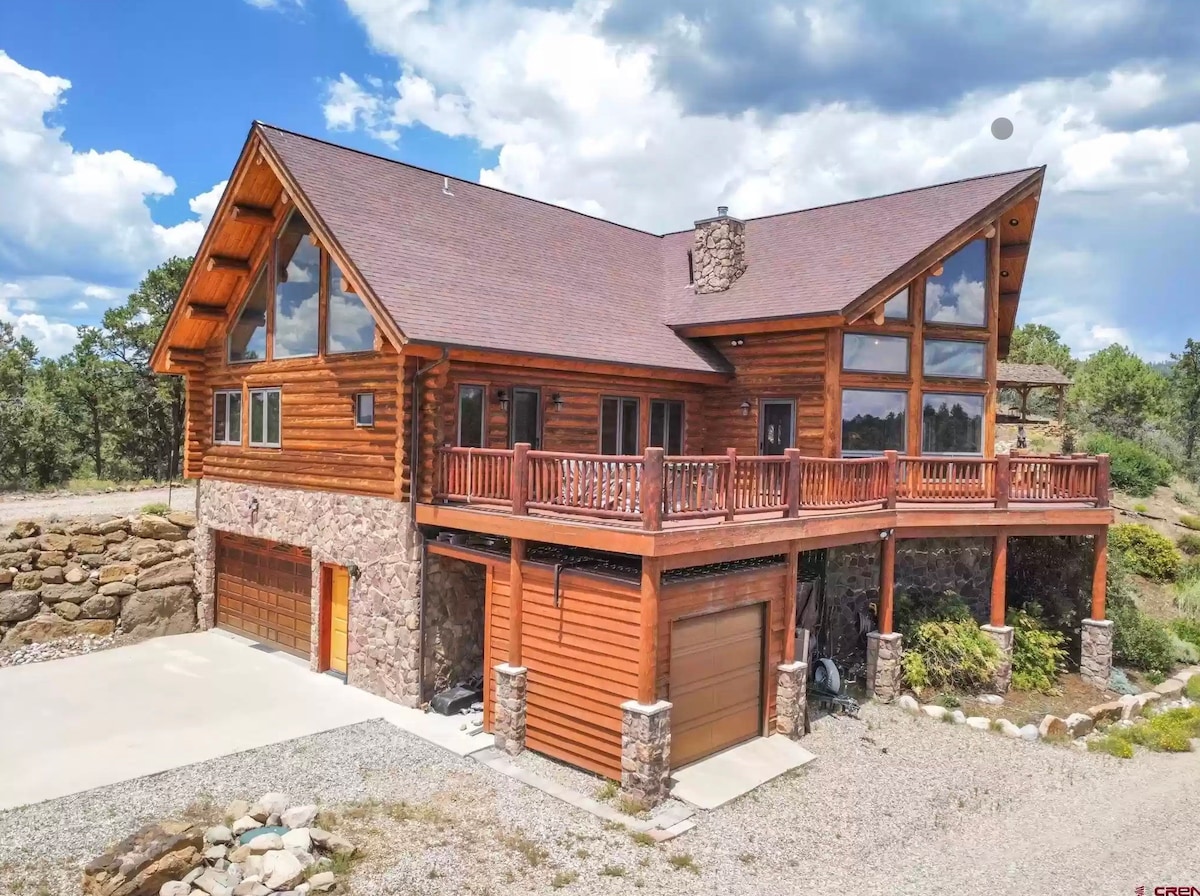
1145, 551
156, 507
1187, 630
1038, 654
1138, 640
1187, 598
1167, 732
1133, 468
1190, 521
949, 653
1186, 650
1112, 746
1140, 508
1189, 544
1192, 688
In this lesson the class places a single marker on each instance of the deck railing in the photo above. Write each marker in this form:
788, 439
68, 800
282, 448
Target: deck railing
652, 489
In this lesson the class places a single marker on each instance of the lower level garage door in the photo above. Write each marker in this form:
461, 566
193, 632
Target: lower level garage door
264, 591
716, 682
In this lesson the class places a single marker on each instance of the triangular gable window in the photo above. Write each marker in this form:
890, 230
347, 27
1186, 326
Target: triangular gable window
248, 338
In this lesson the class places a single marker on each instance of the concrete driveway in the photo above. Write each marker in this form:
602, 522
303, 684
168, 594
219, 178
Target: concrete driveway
74, 724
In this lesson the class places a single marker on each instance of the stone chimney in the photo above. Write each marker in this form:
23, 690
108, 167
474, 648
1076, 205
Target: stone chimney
718, 252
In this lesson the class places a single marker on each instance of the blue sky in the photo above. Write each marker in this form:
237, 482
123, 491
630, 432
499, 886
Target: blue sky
120, 121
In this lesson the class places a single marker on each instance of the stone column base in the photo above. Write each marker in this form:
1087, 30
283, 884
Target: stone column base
791, 700
1096, 651
508, 724
883, 665
1003, 636
645, 751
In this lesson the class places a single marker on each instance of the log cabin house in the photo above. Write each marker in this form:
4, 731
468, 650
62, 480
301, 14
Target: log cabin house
442, 431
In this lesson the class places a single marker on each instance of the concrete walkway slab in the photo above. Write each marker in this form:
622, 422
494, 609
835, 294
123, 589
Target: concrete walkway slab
74, 724
714, 781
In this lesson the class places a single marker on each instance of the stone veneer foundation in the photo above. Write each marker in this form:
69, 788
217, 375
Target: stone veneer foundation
883, 666
1003, 636
1096, 651
373, 534
454, 617
645, 751
791, 699
508, 718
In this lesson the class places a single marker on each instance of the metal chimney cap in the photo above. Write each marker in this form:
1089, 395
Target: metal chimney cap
722, 210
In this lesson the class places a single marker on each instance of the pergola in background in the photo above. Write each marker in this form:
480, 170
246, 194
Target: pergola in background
1024, 378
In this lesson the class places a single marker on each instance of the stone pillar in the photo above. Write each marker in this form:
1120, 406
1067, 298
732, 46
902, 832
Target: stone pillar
645, 751
1003, 636
883, 665
205, 553
791, 699
1096, 651
508, 723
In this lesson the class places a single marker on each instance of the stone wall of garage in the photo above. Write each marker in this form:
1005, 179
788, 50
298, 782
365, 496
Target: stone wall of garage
372, 534
100, 576
454, 617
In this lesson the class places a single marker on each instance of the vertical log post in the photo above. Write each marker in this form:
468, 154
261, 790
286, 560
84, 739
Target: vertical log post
652, 489
1100, 574
1102, 473
520, 478
887, 584
648, 652
789, 603
516, 579
731, 486
999, 581
893, 477
1003, 480
792, 456
1062, 402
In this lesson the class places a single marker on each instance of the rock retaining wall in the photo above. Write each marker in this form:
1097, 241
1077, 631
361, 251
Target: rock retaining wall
454, 616
96, 576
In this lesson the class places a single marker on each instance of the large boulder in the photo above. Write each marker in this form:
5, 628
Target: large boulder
281, 870
16, 606
116, 572
184, 519
88, 544
1080, 724
118, 589
48, 627
151, 526
67, 611
140, 864
101, 606
73, 594
1053, 727
161, 611
24, 529
51, 558
54, 542
176, 572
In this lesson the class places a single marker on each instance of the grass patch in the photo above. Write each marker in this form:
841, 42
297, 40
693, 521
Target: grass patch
1192, 688
1190, 521
582, 854
202, 809
403, 811
533, 854
641, 838
607, 791
747, 858
1140, 508
563, 879
683, 861
613, 871
631, 806
948, 700
156, 507
1111, 745
1165, 732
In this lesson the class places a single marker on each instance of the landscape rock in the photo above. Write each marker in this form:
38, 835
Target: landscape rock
175, 888
27, 581
24, 529
297, 839
14, 559
115, 537
1131, 707
266, 843
1149, 698
1080, 724
48, 627
991, 699
958, 717
116, 572
101, 606
1106, 712
53, 575
979, 722
6, 576
75, 574
16, 606
72, 594
240, 854
118, 589
141, 863
218, 834
1053, 726
110, 525
299, 816
935, 712
53, 542
337, 845
237, 809
252, 888
213, 882
88, 544
1172, 687
151, 526
51, 558
1029, 732
184, 519
273, 820
274, 803
162, 611
175, 572
322, 882
281, 870
67, 611
1008, 729
245, 823
909, 704
183, 548
216, 852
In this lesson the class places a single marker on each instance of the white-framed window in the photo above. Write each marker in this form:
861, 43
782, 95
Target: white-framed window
364, 409
227, 418
265, 422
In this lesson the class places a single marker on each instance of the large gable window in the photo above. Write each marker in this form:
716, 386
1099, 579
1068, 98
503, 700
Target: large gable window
958, 295
949, 357
873, 421
248, 336
952, 424
297, 289
875, 354
351, 327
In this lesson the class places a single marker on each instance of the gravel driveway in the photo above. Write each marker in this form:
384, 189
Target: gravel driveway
893, 804
40, 507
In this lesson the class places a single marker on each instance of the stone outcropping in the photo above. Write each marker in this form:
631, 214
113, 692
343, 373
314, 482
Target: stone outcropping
96, 576
142, 864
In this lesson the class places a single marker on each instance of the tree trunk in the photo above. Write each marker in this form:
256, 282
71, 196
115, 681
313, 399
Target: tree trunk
96, 455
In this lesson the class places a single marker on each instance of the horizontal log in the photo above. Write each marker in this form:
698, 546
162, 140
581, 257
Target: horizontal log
252, 214
199, 311
228, 263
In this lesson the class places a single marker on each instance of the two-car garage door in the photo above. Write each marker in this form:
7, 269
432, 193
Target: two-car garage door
264, 591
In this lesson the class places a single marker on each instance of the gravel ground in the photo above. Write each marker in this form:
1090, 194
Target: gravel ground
892, 805
41, 507
76, 645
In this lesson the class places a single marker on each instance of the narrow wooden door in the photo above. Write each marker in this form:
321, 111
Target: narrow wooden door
778, 423
526, 423
339, 618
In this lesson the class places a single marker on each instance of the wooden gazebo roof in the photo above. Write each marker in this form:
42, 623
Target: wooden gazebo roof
1010, 375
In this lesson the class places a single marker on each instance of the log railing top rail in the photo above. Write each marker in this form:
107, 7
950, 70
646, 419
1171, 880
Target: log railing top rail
651, 488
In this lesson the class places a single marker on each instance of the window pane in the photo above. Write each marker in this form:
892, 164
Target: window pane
629, 426
364, 409
297, 290
273, 418
658, 424
957, 297
896, 308
609, 423
666, 426
878, 354
873, 421
675, 428
235, 417
220, 400
945, 357
248, 337
351, 327
470, 416
953, 424
257, 417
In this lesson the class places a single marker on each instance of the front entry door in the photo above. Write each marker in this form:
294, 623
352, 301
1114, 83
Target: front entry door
337, 607
526, 417
778, 419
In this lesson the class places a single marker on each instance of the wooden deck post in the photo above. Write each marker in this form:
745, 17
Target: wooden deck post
999, 581
520, 479
731, 486
792, 456
516, 579
1003, 480
789, 603
1100, 573
648, 667
1102, 473
893, 474
887, 584
652, 489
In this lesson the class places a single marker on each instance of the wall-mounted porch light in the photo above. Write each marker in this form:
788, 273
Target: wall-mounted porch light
502, 397
745, 406
557, 400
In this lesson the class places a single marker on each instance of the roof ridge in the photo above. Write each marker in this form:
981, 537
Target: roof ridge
473, 183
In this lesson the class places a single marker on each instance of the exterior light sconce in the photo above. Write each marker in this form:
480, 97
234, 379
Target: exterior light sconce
253, 508
1013, 222
737, 341
745, 406
353, 570
885, 534
1004, 273
502, 397
557, 400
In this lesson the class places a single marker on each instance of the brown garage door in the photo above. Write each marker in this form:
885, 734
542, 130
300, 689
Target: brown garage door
264, 591
716, 682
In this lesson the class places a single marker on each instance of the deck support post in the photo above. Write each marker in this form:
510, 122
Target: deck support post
645, 751
1099, 573
652, 489
792, 486
731, 486
648, 649
1096, 638
508, 724
996, 629
887, 583
1102, 487
883, 665
1003, 480
520, 479
892, 459
516, 580
791, 699
789, 602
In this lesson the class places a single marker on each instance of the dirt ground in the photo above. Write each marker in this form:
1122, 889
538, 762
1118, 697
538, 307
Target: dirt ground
1025, 707
42, 507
